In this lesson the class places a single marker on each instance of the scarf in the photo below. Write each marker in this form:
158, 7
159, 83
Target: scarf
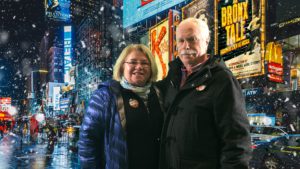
140, 91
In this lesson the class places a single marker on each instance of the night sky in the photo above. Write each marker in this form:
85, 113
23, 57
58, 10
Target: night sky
22, 26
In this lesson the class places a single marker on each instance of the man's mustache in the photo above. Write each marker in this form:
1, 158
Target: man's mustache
188, 52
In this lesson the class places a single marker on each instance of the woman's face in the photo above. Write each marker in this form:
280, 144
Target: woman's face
136, 68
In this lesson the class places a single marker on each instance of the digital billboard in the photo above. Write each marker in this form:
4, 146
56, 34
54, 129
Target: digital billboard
240, 36
58, 9
67, 53
56, 98
174, 20
282, 19
138, 10
159, 45
201, 9
5, 103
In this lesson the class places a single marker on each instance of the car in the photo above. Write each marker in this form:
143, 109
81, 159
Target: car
260, 134
277, 153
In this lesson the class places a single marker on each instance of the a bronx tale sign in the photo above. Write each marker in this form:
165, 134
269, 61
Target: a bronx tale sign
233, 16
159, 45
239, 36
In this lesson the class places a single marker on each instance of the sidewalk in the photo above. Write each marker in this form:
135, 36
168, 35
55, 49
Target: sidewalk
15, 153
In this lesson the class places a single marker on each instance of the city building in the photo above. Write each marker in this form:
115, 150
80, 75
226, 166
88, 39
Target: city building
99, 39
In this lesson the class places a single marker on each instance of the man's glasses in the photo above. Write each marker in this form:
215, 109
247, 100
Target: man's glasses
135, 63
189, 40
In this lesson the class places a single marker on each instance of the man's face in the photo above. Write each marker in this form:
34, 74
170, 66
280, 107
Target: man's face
191, 47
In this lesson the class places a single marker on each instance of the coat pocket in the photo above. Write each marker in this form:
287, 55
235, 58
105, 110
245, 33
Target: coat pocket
198, 164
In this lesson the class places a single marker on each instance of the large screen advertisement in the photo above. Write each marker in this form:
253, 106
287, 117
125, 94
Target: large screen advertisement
56, 97
138, 10
67, 53
58, 9
201, 9
5, 103
174, 20
240, 36
159, 45
283, 19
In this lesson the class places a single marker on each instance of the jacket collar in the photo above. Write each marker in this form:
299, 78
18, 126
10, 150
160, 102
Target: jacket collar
214, 63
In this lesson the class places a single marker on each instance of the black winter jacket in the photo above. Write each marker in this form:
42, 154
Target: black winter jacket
206, 126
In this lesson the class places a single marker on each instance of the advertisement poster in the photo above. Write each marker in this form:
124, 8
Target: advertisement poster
159, 45
201, 9
56, 98
240, 36
68, 54
174, 20
137, 10
5, 103
58, 9
274, 60
282, 19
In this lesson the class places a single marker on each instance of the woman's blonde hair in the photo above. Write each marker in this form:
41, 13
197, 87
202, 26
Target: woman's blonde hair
118, 68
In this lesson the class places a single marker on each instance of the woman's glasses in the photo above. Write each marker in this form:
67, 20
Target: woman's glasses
135, 63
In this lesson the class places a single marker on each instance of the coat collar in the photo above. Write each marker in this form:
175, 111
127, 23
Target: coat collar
214, 63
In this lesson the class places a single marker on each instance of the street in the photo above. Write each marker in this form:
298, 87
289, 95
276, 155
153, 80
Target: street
17, 153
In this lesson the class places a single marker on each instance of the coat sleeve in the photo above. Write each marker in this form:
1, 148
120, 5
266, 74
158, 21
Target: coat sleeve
91, 137
232, 126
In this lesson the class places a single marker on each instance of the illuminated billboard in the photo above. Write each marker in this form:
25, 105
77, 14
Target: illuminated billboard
174, 20
56, 98
201, 9
138, 10
58, 9
282, 19
239, 31
5, 103
67, 53
159, 45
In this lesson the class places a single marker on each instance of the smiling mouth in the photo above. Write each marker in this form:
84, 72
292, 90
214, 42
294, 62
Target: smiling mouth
138, 73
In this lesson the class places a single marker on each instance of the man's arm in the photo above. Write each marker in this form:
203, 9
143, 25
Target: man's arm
233, 126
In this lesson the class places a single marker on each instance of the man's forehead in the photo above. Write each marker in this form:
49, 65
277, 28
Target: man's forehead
187, 31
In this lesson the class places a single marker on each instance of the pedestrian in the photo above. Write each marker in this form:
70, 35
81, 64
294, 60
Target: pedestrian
206, 126
122, 125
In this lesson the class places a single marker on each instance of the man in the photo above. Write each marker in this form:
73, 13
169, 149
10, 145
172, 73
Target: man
206, 126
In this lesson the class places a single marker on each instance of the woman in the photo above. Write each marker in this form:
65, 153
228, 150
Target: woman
122, 126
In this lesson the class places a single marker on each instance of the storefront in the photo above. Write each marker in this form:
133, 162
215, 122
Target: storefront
6, 121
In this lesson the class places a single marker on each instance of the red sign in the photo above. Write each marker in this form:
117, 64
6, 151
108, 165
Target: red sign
275, 68
159, 47
275, 78
5, 100
5, 103
144, 2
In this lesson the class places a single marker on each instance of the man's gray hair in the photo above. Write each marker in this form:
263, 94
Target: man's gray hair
203, 27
